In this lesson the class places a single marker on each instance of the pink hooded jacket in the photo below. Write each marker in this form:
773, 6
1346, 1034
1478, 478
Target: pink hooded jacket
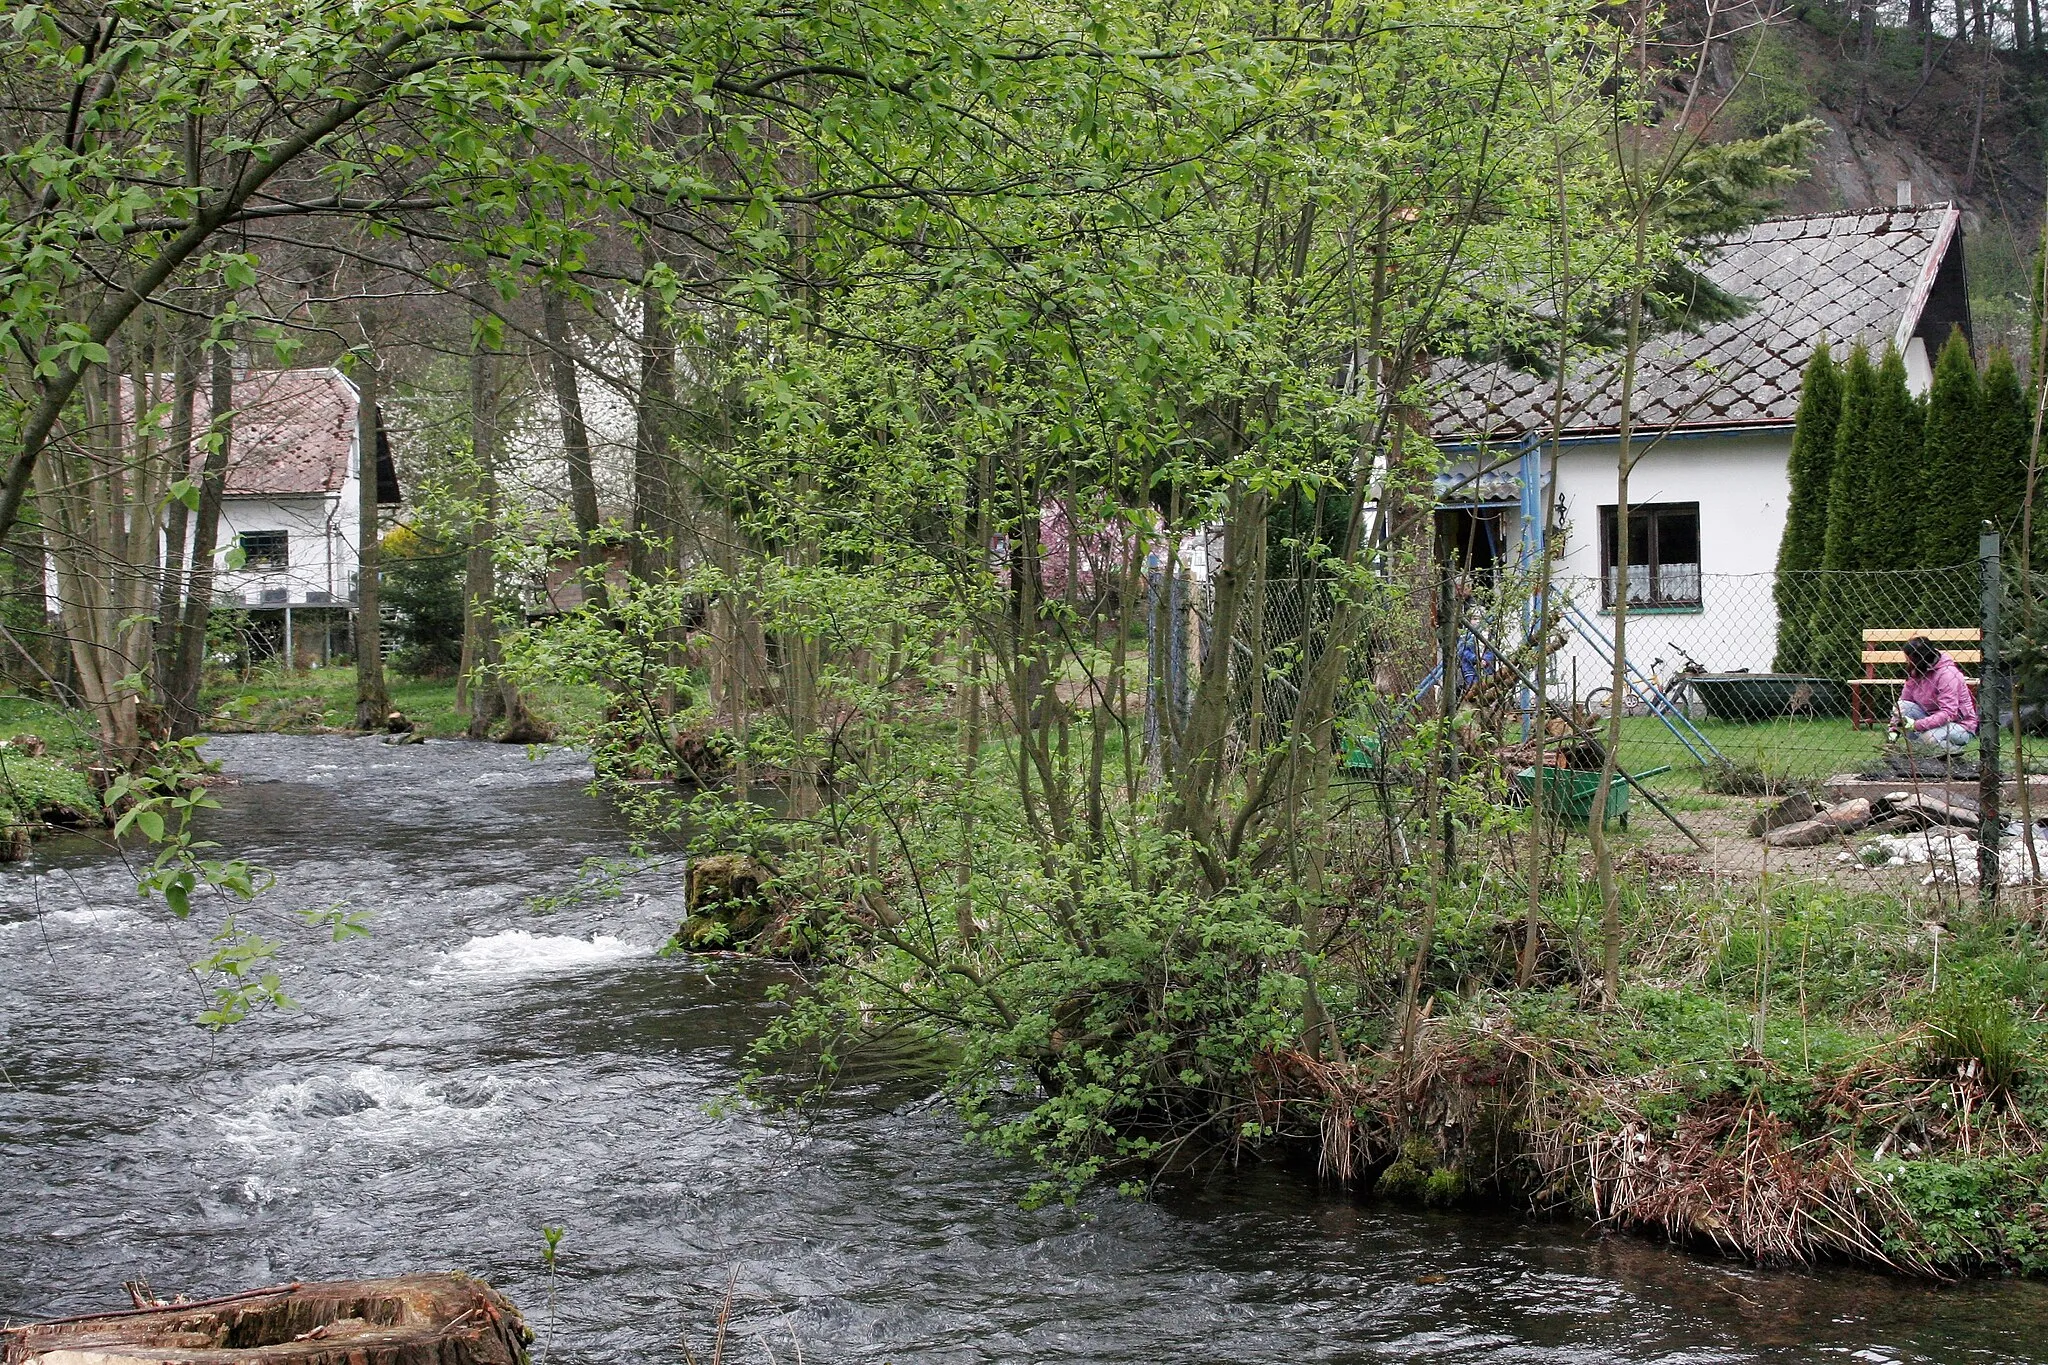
1943, 695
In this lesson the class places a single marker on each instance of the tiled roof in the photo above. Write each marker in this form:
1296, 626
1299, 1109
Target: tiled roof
1846, 276
294, 431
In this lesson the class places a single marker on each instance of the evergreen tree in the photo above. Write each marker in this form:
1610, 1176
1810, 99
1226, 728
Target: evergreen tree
1949, 459
1849, 476
2005, 430
1806, 509
1891, 537
1834, 640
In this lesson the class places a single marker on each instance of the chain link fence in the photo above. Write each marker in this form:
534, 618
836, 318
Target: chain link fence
1787, 677
1769, 680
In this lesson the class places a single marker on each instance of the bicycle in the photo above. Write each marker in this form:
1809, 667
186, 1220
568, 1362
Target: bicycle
1668, 693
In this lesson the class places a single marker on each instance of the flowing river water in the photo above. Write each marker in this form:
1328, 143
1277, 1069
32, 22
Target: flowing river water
476, 1070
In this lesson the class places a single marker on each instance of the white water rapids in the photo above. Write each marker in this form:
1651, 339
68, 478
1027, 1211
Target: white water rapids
475, 1071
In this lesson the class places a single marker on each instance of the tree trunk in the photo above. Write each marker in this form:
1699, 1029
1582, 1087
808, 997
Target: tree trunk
1532, 920
653, 552
1976, 135
373, 698
486, 697
575, 446
1596, 824
182, 696
101, 486
179, 517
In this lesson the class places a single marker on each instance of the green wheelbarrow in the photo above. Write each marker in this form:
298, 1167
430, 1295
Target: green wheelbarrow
1361, 752
1568, 792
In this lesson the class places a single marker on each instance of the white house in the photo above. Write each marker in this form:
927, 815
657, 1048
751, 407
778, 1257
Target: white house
290, 498
290, 502
290, 505
1714, 414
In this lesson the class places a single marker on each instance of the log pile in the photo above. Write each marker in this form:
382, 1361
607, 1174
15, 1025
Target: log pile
1800, 822
440, 1319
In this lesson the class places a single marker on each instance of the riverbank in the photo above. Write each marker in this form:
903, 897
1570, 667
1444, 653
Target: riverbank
47, 753
556, 1064
1909, 1145
1801, 1069
323, 700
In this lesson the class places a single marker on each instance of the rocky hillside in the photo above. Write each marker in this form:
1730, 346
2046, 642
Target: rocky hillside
1957, 120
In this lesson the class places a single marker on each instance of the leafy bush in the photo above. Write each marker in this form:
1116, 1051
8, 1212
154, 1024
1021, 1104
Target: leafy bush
1969, 1213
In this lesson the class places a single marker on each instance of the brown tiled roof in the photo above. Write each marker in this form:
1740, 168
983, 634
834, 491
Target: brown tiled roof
294, 430
1846, 276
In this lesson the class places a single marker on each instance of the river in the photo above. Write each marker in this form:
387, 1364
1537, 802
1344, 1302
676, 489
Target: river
476, 1070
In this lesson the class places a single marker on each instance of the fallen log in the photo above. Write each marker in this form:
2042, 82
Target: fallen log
1829, 825
1794, 809
1931, 809
1805, 834
439, 1319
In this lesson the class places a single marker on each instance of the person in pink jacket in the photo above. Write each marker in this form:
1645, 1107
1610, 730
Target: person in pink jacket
1935, 713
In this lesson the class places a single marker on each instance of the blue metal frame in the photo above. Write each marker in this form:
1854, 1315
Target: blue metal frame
1535, 539
1652, 696
1535, 514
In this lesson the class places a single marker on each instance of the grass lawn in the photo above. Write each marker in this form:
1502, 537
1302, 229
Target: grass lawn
1806, 749
1801, 750
310, 698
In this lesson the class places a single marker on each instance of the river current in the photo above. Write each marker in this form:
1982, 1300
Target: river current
478, 1069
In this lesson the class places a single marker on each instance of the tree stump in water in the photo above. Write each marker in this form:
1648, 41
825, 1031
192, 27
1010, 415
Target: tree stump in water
443, 1319
732, 904
528, 729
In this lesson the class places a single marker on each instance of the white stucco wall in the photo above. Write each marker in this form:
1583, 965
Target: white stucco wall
1741, 486
320, 542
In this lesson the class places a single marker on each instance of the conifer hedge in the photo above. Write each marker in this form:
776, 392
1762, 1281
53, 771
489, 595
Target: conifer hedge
1883, 480
1806, 520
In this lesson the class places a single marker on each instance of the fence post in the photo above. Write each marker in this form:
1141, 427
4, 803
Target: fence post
1991, 691
1450, 690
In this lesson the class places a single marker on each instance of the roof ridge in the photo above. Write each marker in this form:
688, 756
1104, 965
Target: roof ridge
1848, 213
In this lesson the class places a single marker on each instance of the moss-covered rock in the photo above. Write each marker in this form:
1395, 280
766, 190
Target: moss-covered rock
733, 904
39, 789
1418, 1172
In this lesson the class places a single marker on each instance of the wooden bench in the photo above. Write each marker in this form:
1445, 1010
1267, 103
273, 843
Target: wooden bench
1882, 648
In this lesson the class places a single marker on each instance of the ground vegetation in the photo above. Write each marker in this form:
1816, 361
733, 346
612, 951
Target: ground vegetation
964, 466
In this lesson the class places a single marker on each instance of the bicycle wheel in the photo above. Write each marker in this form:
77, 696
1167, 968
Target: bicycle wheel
1597, 701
